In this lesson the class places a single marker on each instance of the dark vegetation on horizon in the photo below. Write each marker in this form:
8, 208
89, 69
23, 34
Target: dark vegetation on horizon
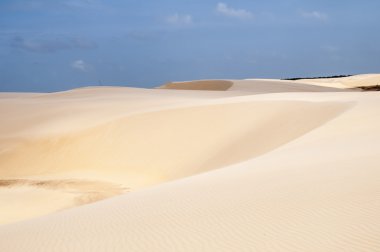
323, 77
370, 88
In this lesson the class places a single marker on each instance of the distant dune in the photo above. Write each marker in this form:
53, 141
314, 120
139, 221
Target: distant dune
346, 82
250, 85
208, 165
216, 85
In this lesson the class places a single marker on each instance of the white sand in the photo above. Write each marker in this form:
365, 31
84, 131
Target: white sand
262, 165
346, 82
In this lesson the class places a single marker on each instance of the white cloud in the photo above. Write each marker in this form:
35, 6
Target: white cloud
178, 19
80, 65
314, 14
225, 10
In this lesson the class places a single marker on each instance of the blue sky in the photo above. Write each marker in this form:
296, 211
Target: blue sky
48, 45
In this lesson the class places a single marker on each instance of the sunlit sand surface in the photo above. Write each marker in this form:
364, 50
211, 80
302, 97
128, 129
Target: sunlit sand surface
209, 165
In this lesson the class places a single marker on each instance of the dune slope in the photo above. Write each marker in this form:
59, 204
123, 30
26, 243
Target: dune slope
130, 153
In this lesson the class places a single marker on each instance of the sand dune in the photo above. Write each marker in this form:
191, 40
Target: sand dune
260, 165
250, 85
346, 82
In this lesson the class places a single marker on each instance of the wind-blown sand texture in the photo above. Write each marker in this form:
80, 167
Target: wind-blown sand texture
229, 165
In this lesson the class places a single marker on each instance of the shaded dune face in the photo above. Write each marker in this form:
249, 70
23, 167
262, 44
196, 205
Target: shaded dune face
155, 147
30, 198
214, 85
71, 185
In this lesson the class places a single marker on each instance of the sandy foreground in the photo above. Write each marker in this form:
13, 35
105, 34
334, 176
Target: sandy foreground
229, 165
